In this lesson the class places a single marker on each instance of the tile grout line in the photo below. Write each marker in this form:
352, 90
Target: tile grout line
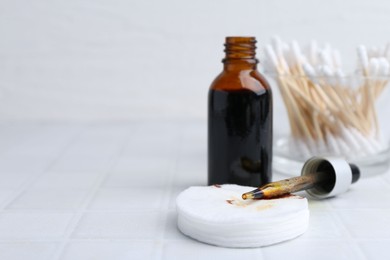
34, 177
79, 213
159, 250
132, 210
340, 223
47, 240
385, 180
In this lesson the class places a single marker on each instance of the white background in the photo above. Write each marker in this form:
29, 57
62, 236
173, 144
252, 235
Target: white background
122, 60
134, 69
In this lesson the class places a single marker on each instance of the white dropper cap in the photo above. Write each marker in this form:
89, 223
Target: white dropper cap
341, 176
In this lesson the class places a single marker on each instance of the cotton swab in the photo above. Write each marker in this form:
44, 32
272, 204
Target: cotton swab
326, 115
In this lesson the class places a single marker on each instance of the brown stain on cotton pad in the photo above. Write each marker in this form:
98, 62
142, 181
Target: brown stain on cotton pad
264, 207
242, 204
237, 202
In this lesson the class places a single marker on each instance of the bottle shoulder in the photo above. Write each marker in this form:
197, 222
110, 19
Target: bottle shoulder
239, 80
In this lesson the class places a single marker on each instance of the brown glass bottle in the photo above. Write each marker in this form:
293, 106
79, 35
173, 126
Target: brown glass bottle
240, 119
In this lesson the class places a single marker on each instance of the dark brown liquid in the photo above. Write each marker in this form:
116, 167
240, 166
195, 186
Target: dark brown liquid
240, 137
284, 196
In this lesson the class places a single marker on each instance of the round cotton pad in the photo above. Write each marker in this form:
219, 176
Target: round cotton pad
217, 215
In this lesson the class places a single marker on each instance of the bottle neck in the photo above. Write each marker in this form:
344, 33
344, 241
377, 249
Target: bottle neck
240, 54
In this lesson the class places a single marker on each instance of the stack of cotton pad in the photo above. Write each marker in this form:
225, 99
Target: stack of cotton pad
217, 215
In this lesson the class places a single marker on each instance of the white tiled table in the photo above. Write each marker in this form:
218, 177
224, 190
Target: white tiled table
107, 191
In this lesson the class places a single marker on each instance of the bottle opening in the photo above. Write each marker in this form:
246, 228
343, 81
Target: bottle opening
240, 48
240, 39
